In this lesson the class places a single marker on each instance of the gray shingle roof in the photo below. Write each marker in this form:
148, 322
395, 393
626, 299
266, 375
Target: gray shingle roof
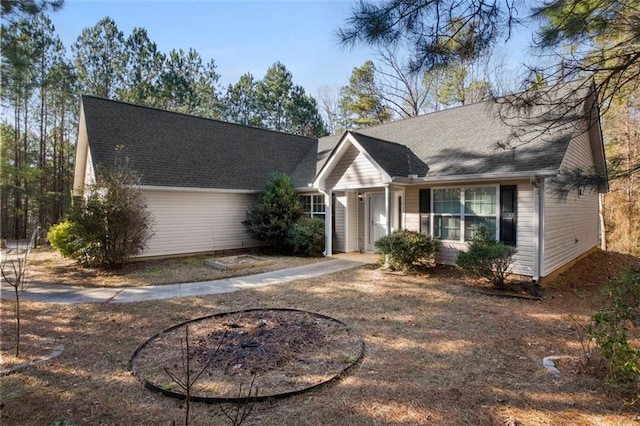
394, 158
468, 139
172, 149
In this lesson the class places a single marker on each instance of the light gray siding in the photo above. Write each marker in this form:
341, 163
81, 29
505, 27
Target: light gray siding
192, 222
570, 224
411, 206
352, 221
448, 250
339, 234
571, 228
90, 173
524, 259
354, 171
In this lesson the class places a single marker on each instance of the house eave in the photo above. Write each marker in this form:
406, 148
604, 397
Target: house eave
472, 177
306, 189
190, 189
158, 188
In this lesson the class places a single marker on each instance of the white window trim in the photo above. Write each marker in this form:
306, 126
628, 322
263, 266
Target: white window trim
462, 214
313, 212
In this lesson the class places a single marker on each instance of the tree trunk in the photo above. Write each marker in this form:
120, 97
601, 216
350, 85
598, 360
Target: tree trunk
17, 320
603, 228
42, 158
17, 163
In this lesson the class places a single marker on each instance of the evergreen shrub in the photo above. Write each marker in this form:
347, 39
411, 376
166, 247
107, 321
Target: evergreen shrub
487, 258
406, 250
307, 237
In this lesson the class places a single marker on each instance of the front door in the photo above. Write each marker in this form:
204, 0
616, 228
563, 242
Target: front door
377, 219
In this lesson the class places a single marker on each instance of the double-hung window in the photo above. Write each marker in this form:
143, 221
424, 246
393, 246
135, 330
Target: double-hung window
455, 214
313, 205
480, 207
447, 213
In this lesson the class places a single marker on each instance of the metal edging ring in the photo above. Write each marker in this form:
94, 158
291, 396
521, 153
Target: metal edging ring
258, 398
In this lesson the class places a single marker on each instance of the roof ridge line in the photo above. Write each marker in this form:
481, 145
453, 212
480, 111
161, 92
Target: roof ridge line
196, 116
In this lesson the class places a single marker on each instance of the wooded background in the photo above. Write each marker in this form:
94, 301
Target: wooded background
42, 80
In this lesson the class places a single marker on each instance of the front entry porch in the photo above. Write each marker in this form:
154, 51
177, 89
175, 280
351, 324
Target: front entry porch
357, 219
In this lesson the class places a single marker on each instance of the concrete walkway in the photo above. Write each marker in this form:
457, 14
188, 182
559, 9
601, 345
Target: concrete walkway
50, 293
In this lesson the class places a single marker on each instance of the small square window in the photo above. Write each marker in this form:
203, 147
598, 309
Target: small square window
313, 205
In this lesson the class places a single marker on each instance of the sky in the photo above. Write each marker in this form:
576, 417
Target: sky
241, 36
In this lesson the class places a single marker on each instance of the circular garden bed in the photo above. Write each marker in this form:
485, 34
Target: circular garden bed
252, 354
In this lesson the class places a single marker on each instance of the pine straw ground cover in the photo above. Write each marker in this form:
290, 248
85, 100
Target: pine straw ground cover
438, 351
278, 352
47, 266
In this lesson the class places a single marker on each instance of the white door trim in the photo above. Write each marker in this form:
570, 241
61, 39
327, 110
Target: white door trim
369, 227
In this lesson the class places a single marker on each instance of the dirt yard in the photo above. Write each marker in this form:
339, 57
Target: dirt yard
437, 351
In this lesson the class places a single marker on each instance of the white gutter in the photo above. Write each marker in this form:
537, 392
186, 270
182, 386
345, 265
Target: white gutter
190, 189
306, 189
474, 177
214, 190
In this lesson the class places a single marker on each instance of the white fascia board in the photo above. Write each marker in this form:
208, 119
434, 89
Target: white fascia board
356, 187
214, 190
82, 154
188, 189
474, 177
596, 138
307, 190
329, 164
336, 155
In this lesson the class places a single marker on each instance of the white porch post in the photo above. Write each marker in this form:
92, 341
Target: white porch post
328, 226
388, 202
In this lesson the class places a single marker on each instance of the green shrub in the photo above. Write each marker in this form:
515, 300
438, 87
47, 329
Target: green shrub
307, 237
65, 237
406, 250
609, 327
110, 225
277, 210
487, 258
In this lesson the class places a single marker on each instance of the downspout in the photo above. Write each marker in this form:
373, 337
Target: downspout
358, 222
537, 228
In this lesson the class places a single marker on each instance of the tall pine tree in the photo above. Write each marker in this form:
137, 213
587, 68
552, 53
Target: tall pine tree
99, 59
362, 99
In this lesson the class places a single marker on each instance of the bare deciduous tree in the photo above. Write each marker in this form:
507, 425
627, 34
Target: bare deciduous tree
329, 105
13, 267
408, 94
185, 378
